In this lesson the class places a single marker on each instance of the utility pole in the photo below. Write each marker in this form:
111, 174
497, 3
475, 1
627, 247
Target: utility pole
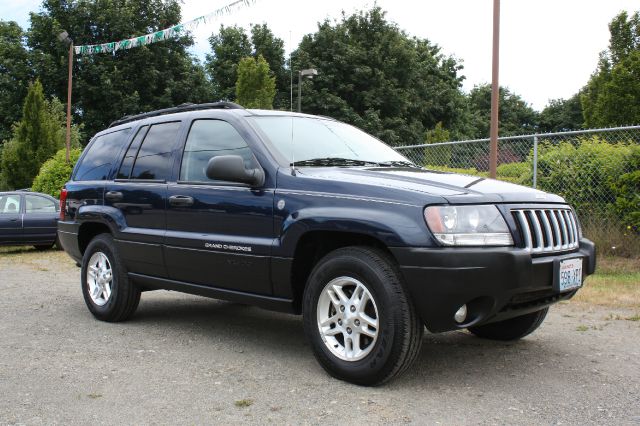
69, 102
64, 37
495, 91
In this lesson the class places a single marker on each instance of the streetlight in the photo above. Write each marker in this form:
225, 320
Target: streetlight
309, 73
64, 37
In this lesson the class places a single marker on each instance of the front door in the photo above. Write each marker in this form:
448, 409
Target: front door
10, 219
218, 233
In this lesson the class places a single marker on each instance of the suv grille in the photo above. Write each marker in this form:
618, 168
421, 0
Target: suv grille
547, 230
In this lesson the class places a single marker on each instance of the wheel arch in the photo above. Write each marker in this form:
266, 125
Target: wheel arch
88, 231
314, 245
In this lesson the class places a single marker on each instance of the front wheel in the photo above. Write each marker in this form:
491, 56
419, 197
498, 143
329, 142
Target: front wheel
511, 329
107, 290
362, 326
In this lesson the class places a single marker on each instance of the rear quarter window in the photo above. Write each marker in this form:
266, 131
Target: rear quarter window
96, 163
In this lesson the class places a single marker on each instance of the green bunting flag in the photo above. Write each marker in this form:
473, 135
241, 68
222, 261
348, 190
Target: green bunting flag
168, 33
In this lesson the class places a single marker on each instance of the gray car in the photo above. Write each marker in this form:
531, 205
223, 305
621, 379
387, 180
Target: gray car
28, 218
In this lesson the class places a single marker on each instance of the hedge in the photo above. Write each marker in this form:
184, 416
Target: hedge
55, 172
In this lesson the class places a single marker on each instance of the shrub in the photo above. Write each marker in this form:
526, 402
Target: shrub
469, 171
627, 191
583, 173
519, 173
55, 172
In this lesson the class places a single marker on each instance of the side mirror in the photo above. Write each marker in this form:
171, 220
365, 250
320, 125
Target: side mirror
231, 168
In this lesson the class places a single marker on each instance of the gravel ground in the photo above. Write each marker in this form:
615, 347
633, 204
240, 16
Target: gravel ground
184, 359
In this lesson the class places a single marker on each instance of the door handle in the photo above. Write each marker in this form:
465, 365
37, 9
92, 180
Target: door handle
113, 196
13, 220
181, 200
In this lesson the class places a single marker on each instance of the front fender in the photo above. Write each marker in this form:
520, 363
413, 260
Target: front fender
393, 225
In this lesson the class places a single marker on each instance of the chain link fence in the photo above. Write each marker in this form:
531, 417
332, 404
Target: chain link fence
596, 170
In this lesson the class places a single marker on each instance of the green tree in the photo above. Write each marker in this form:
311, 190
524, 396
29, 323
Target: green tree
228, 47
561, 115
440, 156
38, 135
231, 44
612, 95
108, 86
255, 87
15, 74
515, 116
265, 43
375, 76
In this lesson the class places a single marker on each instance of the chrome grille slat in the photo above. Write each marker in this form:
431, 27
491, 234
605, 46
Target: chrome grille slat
537, 230
570, 225
556, 228
547, 227
575, 228
547, 230
563, 228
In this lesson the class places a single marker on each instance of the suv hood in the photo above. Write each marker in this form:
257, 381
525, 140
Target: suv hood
455, 188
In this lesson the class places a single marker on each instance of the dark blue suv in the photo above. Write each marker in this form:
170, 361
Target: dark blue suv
308, 215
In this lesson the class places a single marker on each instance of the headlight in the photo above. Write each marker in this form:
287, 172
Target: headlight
468, 225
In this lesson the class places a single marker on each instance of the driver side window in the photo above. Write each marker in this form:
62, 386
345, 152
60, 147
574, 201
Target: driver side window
210, 138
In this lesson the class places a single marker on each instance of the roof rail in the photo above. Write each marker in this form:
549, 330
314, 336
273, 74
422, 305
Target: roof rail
179, 108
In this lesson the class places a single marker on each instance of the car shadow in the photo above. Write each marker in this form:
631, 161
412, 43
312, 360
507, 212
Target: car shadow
444, 360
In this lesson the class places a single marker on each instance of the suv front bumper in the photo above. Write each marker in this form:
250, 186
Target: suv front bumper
495, 283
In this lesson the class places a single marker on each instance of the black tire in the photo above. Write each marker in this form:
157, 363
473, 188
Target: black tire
399, 332
125, 295
511, 329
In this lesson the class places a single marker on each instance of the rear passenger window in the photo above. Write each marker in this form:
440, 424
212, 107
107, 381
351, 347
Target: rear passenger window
127, 162
37, 204
207, 139
154, 156
100, 156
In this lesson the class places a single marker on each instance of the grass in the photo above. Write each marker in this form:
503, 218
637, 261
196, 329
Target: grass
616, 283
243, 403
612, 239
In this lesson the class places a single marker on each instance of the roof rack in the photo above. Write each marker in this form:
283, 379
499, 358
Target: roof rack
179, 108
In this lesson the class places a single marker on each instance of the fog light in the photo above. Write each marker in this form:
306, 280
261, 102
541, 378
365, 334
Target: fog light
461, 314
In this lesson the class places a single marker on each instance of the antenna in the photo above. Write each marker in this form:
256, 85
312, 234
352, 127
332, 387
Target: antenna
291, 75
293, 159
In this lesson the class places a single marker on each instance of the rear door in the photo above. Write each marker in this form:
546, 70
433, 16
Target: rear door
140, 191
40, 219
11, 219
218, 233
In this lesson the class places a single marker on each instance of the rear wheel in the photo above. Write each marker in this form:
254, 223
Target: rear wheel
357, 315
511, 329
107, 290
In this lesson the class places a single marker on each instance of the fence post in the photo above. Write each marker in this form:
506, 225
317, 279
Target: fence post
535, 161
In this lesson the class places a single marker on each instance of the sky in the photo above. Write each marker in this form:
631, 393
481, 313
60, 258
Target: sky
548, 48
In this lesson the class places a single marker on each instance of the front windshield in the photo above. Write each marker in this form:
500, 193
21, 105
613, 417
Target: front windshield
306, 139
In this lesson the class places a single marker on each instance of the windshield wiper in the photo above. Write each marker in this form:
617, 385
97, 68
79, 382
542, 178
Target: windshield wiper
333, 161
398, 163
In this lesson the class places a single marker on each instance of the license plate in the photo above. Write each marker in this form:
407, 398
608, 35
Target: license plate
570, 274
